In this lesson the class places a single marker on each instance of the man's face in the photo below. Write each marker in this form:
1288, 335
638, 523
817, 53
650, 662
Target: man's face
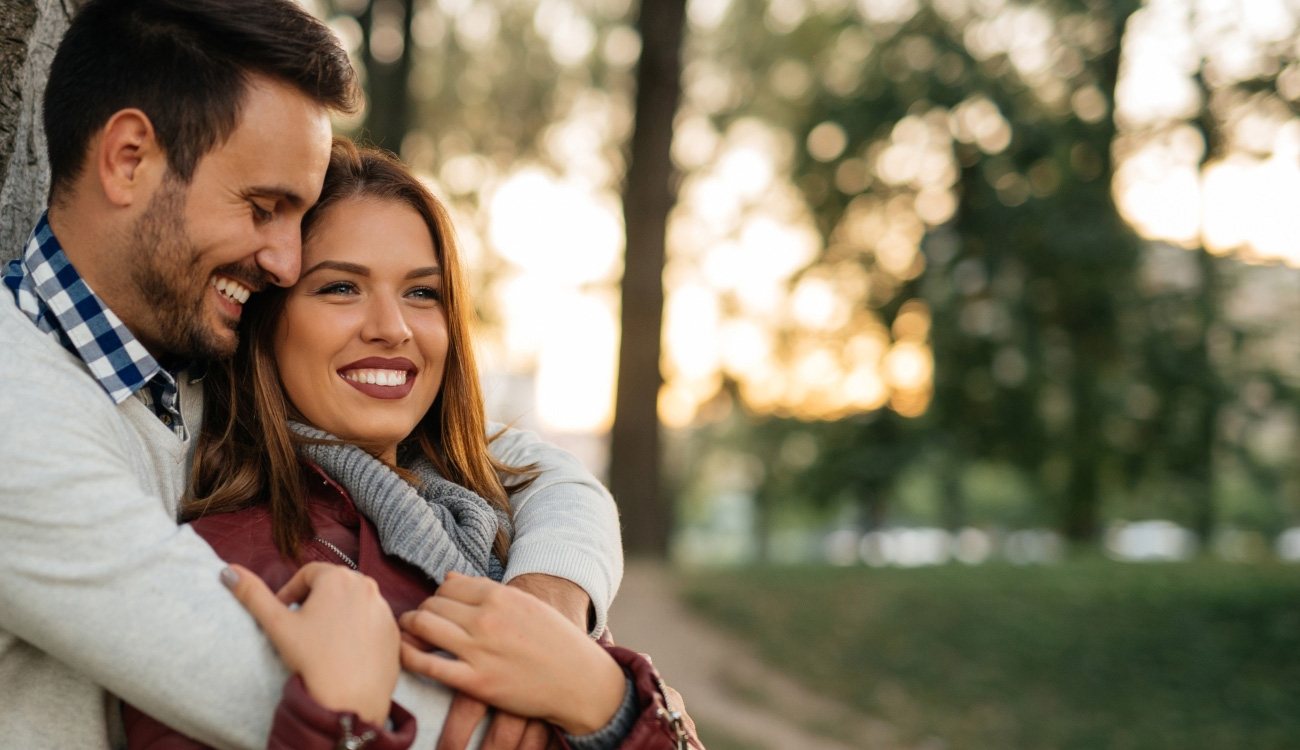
202, 249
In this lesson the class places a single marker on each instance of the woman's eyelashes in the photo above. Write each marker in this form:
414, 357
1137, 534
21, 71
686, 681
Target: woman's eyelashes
337, 288
350, 288
426, 293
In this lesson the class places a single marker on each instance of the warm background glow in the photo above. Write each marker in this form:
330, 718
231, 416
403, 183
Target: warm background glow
744, 301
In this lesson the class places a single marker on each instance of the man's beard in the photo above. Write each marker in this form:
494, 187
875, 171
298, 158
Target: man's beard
164, 277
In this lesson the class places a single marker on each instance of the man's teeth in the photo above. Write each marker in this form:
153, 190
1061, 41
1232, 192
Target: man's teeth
377, 377
234, 291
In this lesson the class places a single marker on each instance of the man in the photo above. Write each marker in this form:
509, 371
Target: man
186, 140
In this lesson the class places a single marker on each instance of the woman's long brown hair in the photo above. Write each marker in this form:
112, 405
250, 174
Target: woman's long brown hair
246, 453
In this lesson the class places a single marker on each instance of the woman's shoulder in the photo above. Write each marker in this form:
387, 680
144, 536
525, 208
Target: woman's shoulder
246, 536
239, 536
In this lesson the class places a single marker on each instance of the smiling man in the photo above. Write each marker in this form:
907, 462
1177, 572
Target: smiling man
186, 138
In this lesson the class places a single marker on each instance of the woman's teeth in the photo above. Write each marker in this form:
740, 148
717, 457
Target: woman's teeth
234, 291
377, 377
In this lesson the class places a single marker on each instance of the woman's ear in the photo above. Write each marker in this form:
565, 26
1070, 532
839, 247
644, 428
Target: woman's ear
127, 158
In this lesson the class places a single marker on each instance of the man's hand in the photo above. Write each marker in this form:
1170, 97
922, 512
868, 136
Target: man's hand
341, 639
565, 596
507, 732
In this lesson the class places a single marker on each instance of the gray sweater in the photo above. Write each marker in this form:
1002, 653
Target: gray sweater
101, 590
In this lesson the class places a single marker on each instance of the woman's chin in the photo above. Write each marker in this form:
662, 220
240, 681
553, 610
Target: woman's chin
382, 446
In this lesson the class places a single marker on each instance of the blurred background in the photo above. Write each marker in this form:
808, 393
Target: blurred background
944, 353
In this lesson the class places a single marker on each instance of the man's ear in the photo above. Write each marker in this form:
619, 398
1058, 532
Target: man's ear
127, 158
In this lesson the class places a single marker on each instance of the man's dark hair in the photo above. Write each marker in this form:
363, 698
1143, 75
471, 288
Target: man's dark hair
186, 65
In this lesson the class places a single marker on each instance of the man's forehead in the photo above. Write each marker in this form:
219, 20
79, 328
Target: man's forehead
280, 147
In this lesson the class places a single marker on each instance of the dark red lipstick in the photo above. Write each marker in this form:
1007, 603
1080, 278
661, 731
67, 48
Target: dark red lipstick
374, 390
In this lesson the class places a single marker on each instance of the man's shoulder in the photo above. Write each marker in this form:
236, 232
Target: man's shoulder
34, 366
19, 336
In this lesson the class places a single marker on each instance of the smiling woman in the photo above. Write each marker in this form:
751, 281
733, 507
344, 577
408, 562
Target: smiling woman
371, 346
364, 330
349, 429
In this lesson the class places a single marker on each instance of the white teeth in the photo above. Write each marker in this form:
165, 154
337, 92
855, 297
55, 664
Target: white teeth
377, 377
233, 290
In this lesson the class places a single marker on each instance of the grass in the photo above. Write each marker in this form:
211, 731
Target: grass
717, 738
1089, 654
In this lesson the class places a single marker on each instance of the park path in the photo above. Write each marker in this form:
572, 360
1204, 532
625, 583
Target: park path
725, 687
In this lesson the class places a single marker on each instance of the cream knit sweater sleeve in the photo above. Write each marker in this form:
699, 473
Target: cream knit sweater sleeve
566, 523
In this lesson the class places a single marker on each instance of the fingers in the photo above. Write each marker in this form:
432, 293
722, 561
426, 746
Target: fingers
298, 587
253, 593
506, 732
466, 589
435, 630
413, 640
450, 609
448, 670
462, 717
537, 736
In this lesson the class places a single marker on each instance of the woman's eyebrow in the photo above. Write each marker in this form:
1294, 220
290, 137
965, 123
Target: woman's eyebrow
420, 273
336, 265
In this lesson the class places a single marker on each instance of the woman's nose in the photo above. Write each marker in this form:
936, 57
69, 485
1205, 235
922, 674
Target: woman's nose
386, 323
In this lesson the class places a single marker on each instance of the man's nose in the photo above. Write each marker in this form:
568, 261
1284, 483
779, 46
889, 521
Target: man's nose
281, 259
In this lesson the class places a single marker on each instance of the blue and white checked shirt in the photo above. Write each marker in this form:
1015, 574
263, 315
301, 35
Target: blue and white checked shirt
58, 301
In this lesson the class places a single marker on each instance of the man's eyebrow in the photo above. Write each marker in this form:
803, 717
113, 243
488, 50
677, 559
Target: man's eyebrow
285, 194
421, 273
337, 265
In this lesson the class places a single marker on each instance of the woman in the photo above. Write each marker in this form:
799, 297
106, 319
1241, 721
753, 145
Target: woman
349, 429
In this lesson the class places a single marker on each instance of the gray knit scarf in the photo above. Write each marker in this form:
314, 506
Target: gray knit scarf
438, 527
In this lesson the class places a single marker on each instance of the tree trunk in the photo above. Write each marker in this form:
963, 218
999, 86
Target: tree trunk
388, 103
29, 33
648, 196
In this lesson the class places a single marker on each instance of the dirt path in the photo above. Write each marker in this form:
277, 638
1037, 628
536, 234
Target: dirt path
724, 685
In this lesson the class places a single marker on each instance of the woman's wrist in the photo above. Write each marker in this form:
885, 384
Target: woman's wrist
599, 700
369, 706
614, 732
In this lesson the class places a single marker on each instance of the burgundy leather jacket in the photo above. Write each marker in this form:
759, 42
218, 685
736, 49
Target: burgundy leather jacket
344, 535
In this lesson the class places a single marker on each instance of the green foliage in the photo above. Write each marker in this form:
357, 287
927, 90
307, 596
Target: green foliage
1062, 357
1086, 655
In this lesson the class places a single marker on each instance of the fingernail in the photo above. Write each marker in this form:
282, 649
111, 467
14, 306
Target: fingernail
229, 577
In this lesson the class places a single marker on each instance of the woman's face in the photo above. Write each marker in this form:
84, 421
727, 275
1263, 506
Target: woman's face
362, 340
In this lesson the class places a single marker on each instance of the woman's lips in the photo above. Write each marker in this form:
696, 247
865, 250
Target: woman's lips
381, 377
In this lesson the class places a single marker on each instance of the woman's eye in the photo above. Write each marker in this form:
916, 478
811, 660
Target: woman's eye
338, 288
426, 293
261, 215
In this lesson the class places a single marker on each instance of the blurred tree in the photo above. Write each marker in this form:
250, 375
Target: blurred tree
387, 51
648, 196
1028, 277
1196, 354
987, 133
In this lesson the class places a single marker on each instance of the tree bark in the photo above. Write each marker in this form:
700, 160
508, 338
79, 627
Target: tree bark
29, 33
648, 196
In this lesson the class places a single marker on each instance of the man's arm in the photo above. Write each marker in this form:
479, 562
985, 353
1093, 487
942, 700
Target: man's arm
96, 574
566, 527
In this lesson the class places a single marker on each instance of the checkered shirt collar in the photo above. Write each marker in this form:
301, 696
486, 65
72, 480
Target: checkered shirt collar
50, 291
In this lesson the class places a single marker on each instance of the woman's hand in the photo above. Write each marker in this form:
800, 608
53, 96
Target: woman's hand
341, 639
515, 652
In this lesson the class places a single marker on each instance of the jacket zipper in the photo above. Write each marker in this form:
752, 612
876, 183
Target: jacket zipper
336, 551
